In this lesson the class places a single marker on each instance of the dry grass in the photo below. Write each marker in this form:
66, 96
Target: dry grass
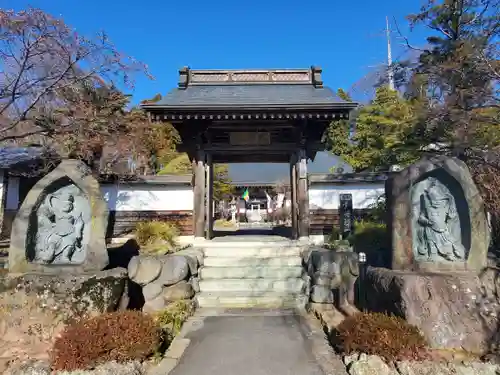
118, 336
379, 334
156, 237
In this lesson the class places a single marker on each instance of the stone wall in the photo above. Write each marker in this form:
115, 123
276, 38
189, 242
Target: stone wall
166, 278
331, 275
362, 364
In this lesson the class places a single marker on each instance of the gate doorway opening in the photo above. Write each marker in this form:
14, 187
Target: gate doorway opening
250, 116
259, 203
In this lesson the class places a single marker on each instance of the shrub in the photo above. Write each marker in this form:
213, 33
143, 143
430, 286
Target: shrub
156, 233
224, 223
119, 336
172, 318
335, 235
371, 238
379, 334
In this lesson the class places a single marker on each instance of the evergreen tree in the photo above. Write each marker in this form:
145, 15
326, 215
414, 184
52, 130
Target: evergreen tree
378, 137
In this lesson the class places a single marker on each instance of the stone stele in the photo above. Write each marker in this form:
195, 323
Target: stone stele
437, 218
61, 225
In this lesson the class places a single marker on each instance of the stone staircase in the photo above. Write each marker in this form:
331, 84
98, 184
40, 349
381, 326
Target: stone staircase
252, 274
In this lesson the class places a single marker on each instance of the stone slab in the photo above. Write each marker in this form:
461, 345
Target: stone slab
292, 285
24, 228
235, 251
245, 300
177, 348
165, 367
263, 271
281, 261
474, 235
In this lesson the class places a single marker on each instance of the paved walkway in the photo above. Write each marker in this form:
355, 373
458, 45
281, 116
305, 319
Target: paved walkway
249, 345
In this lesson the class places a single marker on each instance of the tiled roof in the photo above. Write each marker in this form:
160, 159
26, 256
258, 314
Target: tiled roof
369, 177
12, 157
279, 95
261, 88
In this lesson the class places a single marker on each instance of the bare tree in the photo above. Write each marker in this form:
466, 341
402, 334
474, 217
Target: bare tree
59, 89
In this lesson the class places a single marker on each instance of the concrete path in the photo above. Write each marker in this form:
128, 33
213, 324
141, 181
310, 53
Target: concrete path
249, 345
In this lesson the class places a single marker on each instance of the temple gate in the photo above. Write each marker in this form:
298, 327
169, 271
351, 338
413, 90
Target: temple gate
250, 116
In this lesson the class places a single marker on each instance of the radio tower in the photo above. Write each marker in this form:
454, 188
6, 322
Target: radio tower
390, 72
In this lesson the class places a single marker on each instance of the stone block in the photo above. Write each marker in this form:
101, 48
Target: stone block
195, 254
332, 270
322, 294
61, 224
151, 291
154, 305
144, 269
174, 269
447, 308
195, 283
371, 365
176, 292
177, 348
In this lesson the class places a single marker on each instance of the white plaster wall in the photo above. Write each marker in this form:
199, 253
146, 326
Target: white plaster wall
138, 197
326, 196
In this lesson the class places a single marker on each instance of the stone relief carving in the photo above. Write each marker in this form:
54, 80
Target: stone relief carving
62, 220
436, 223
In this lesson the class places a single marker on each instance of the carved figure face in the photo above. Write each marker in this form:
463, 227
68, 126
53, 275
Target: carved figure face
64, 203
436, 192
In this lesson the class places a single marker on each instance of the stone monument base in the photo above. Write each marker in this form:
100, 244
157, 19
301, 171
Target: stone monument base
89, 293
452, 310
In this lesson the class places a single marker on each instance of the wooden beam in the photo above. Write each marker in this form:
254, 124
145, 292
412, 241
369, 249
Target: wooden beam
272, 148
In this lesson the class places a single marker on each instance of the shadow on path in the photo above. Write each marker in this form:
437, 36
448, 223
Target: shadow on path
258, 234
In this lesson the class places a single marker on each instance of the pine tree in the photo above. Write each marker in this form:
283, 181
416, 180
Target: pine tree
376, 137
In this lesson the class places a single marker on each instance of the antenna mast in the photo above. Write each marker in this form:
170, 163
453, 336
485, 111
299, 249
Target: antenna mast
390, 72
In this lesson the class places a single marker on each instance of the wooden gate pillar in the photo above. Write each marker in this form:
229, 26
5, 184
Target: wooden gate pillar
302, 194
293, 196
199, 194
210, 197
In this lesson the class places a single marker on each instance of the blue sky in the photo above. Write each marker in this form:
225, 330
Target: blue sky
345, 38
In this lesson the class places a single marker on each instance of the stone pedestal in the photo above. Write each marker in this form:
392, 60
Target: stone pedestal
453, 311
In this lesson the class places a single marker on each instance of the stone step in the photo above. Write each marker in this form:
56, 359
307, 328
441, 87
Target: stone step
248, 300
292, 285
251, 252
282, 261
256, 272
205, 244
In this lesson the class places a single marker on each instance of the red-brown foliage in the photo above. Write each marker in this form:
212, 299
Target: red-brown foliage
388, 337
119, 336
